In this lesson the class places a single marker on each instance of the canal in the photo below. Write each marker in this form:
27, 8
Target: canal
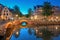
25, 35
50, 32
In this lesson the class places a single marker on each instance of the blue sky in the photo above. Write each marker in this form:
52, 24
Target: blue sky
24, 5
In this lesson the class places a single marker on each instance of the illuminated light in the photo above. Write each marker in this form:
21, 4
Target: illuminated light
3, 17
56, 17
31, 17
16, 15
56, 27
35, 16
36, 30
45, 16
52, 18
11, 18
17, 33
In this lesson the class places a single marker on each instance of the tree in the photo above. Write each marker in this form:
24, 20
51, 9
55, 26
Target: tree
26, 15
47, 9
29, 12
17, 11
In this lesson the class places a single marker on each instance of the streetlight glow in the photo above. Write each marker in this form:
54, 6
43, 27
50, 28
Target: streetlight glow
56, 17
35, 16
16, 15
31, 17
17, 33
56, 27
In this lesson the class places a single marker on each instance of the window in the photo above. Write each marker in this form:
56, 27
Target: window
7, 13
4, 13
6, 10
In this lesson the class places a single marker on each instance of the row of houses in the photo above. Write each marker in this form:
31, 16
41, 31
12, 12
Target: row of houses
37, 14
6, 13
38, 10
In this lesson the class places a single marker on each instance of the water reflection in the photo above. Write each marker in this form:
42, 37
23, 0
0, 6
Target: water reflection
46, 34
56, 38
17, 33
24, 35
30, 31
37, 34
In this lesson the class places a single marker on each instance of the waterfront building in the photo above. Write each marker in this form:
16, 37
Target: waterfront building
5, 12
37, 14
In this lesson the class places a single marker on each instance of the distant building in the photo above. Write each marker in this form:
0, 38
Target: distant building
37, 14
38, 10
56, 10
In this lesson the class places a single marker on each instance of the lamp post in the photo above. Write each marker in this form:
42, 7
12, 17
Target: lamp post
17, 16
56, 28
31, 17
35, 17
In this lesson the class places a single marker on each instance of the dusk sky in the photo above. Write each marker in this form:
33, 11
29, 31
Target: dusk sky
24, 5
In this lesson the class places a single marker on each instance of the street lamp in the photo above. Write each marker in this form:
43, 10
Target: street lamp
56, 28
35, 17
16, 34
31, 17
12, 18
16, 15
56, 17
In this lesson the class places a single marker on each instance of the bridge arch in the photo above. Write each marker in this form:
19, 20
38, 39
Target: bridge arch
12, 26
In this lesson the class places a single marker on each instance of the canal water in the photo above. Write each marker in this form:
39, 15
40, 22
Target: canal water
24, 35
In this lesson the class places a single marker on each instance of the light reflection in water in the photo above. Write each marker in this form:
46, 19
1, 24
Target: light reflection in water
24, 35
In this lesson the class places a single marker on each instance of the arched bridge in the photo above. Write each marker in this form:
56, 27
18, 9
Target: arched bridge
12, 26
